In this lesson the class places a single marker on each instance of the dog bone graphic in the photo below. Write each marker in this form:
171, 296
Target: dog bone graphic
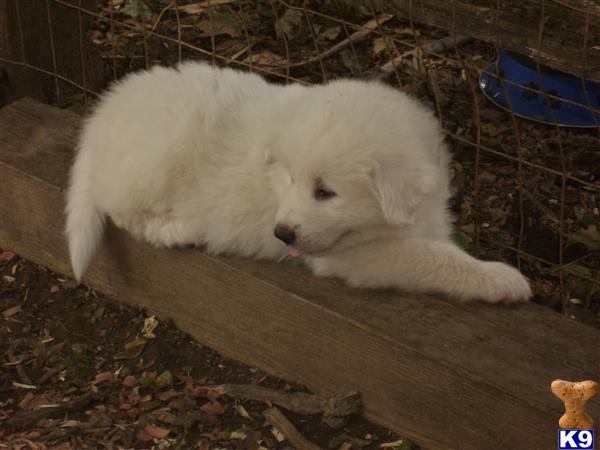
575, 396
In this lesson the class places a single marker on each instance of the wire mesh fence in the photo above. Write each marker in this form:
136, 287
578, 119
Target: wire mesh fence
526, 191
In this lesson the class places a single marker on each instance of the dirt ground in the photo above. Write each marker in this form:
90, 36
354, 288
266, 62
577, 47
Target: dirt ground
76, 372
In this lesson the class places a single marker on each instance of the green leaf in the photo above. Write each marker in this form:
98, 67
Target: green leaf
130, 49
165, 378
589, 237
137, 9
586, 221
148, 382
579, 269
462, 239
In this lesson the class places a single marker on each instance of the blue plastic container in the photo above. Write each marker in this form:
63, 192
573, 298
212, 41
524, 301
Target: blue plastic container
535, 106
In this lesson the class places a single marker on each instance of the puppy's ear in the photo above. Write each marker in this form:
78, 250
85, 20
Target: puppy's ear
400, 188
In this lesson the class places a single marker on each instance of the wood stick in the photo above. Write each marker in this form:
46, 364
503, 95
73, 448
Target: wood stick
357, 36
437, 46
49, 374
276, 419
19, 368
298, 402
24, 419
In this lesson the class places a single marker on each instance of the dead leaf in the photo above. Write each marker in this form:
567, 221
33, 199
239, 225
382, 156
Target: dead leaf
102, 377
202, 444
8, 313
26, 401
200, 392
406, 31
157, 432
278, 435
200, 7
167, 395
265, 58
331, 33
394, 444
143, 436
70, 424
221, 23
242, 412
133, 349
238, 435
491, 114
6, 256
289, 23
54, 288
493, 129
214, 408
150, 324
129, 381
134, 398
379, 45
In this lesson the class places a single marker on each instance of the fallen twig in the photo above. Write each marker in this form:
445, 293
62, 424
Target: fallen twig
24, 419
438, 46
276, 419
298, 402
49, 374
357, 36
162, 12
19, 368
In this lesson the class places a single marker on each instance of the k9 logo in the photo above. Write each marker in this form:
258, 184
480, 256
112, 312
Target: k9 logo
576, 439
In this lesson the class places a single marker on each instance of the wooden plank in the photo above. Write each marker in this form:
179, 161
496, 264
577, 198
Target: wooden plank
571, 29
445, 374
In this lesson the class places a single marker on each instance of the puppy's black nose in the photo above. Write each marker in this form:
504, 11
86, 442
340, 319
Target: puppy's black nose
285, 234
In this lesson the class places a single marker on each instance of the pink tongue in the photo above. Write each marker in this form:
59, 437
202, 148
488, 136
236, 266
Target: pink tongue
294, 252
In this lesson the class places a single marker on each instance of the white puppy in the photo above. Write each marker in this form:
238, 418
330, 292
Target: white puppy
350, 176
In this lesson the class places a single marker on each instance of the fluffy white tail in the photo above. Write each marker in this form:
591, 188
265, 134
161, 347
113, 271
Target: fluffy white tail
85, 222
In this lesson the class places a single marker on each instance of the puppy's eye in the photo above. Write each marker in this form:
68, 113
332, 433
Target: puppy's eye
324, 194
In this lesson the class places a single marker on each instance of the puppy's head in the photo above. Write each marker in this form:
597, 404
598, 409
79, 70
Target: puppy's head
347, 164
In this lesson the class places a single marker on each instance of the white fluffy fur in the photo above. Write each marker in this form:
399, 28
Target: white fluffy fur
215, 157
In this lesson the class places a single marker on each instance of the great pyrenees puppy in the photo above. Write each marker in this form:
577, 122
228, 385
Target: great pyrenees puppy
352, 177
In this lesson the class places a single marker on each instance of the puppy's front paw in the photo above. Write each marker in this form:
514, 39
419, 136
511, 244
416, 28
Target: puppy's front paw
502, 283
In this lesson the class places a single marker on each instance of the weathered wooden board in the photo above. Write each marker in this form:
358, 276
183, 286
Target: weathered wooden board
447, 375
570, 30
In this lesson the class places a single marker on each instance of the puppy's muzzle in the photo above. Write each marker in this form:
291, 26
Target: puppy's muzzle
285, 234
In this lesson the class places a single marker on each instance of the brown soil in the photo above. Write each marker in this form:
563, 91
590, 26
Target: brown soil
65, 345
